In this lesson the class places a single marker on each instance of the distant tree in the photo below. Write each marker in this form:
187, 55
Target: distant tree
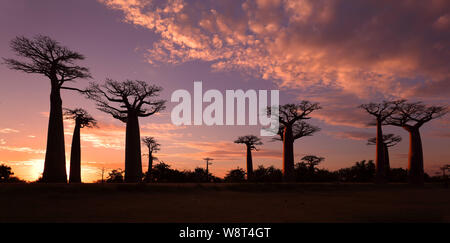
398, 175
361, 172
162, 172
389, 140
115, 176
250, 142
302, 172
5, 173
269, 174
312, 161
82, 119
153, 147
198, 175
291, 128
134, 99
412, 116
236, 175
380, 111
47, 57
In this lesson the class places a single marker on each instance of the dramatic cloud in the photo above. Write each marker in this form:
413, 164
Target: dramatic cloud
396, 48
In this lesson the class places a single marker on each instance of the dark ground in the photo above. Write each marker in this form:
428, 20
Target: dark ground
223, 203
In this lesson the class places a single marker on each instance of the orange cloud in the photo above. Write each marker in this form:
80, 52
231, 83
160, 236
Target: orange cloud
359, 47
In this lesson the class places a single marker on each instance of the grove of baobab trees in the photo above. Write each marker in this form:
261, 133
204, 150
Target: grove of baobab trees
82, 119
291, 128
131, 99
380, 111
250, 142
127, 101
47, 57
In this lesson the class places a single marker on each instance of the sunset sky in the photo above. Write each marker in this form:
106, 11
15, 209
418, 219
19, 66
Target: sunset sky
339, 53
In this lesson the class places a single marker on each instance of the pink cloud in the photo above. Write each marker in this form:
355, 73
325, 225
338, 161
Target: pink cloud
355, 46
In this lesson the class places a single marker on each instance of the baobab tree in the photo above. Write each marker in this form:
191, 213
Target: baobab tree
389, 140
312, 161
47, 57
292, 128
411, 116
250, 142
153, 147
82, 119
380, 111
127, 101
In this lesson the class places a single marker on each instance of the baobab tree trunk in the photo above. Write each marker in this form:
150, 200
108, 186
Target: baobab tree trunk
75, 156
380, 176
249, 164
150, 163
386, 161
133, 163
415, 157
288, 154
55, 158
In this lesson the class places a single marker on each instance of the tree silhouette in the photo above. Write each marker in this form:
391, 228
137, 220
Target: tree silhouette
250, 142
5, 173
291, 128
115, 176
389, 140
269, 174
360, 172
133, 99
47, 57
153, 147
236, 175
82, 119
411, 116
380, 111
312, 161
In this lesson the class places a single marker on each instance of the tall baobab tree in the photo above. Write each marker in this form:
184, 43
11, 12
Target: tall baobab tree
291, 128
153, 147
82, 119
389, 140
380, 111
411, 116
132, 99
250, 141
312, 161
47, 57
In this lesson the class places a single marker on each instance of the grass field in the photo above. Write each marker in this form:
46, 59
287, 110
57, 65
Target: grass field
223, 203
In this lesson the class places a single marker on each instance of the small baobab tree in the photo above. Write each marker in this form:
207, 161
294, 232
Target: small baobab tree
292, 127
153, 147
250, 142
127, 101
380, 111
389, 140
82, 119
411, 116
47, 57
312, 161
